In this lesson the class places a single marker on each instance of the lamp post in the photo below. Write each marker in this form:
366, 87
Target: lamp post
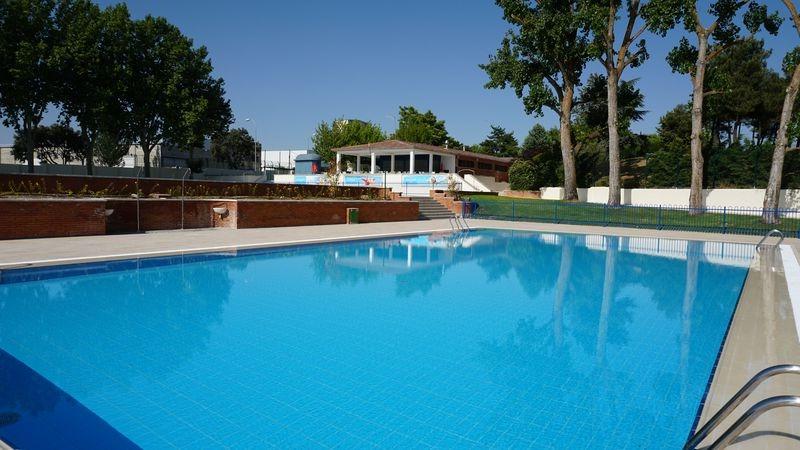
255, 144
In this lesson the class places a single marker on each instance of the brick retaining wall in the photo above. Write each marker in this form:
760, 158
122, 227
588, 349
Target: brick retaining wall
282, 213
34, 218
51, 218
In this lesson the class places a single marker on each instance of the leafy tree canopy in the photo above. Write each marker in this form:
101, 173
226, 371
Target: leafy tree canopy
499, 143
53, 144
422, 128
172, 94
28, 36
236, 148
592, 107
343, 133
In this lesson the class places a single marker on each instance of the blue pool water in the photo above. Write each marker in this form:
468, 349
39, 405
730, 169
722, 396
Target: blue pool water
490, 339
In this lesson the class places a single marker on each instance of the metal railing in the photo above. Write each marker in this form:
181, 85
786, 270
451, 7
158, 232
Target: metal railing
735, 401
459, 223
733, 220
773, 232
752, 414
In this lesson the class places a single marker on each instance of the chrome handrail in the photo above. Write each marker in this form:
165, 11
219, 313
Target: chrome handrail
737, 399
770, 233
752, 414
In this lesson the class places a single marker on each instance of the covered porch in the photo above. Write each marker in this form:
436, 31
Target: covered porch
399, 160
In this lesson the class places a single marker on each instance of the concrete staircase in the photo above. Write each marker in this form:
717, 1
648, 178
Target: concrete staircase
431, 209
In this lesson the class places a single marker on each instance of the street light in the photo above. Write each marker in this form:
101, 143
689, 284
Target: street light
255, 144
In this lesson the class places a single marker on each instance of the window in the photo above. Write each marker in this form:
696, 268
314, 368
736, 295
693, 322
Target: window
484, 166
466, 163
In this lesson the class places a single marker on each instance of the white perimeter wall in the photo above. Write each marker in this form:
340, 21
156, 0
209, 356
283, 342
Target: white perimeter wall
749, 198
393, 181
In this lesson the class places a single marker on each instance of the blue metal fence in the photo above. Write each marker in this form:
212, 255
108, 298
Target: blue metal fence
734, 220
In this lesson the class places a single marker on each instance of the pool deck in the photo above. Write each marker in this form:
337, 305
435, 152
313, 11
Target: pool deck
70, 250
764, 331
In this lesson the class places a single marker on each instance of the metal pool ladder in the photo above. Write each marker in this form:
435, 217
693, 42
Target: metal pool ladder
779, 233
751, 414
459, 223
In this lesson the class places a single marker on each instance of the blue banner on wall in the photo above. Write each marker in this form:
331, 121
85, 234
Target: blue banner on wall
425, 180
363, 180
309, 179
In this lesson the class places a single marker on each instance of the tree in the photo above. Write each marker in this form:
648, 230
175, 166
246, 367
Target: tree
54, 144
712, 40
772, 194
171, 93
236, 148
422, 128
669, 165
747, 93
591, 109
615, 60
543, 59
542, 148
344, 133
500, 143
28, 35
91, 62
109, 148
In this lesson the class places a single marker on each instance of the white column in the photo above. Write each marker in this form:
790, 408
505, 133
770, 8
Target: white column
372, 162
411, 162
338, 162
358, 163
391, 158
430, 162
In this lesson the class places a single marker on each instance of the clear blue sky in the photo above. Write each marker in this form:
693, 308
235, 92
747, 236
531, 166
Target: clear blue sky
291, 64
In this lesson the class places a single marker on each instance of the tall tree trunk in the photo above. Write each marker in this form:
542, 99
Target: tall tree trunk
614, 191
612, 244
146, 149
88, 152
562, 283
773, 191
772, 194
568, 157
27, 132
696, 193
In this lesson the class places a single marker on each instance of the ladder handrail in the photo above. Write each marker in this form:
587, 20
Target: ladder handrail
464, 222
752, 414
737, 399
770, 233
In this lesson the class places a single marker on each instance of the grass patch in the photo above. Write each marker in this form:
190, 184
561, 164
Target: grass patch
721, 220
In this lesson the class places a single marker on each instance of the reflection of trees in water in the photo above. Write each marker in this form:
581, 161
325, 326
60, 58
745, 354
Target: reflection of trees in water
112, 320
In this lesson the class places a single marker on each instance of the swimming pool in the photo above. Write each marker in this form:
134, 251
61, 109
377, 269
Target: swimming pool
486, 339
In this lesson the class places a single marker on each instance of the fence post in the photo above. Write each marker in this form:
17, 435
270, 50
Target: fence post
605, 214
659, 217
724, 220
555, 212
513, 211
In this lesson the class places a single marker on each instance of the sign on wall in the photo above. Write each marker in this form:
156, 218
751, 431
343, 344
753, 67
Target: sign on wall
425, 180
363, 180
309, 179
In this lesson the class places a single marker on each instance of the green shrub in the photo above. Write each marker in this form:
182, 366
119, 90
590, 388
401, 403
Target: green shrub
522, 175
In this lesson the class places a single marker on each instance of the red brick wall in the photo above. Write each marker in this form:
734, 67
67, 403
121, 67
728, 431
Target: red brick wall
165, 214
55, 217
112, 187
51, 218
283, 213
